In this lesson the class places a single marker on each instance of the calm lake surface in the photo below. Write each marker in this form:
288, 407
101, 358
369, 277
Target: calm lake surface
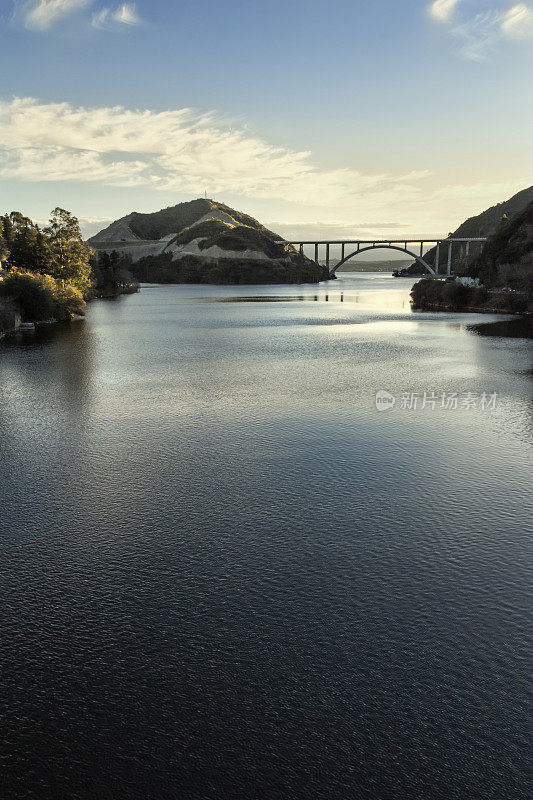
226, 574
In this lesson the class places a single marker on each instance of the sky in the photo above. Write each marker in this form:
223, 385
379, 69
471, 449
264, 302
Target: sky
346, 118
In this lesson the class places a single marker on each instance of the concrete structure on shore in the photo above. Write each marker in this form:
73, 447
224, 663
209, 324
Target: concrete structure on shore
10, 319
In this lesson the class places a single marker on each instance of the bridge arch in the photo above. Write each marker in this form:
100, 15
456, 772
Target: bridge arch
380, 246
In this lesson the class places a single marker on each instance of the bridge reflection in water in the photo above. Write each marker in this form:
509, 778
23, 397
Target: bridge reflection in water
397, 298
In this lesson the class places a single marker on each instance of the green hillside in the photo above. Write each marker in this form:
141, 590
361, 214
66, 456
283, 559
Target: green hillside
176, 218
507, 257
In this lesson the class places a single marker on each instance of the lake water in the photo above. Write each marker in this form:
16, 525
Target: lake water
226, 574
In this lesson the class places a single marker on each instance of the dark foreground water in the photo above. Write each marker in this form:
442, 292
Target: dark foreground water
225, 574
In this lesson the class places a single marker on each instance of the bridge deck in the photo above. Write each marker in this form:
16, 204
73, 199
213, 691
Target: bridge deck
378, 241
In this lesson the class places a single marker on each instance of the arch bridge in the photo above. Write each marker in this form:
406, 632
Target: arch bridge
412, 247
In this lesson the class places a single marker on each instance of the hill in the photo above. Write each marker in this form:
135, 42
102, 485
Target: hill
482, 225
499, 278
204, 241
507, 257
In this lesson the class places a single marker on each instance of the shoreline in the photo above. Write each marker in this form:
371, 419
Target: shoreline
520, 326
436, 307
32, 325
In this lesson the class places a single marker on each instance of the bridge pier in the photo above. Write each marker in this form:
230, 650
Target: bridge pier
327, 256
316, 252
449, 267
437, 259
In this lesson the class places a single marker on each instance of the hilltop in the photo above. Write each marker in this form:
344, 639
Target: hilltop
204, 241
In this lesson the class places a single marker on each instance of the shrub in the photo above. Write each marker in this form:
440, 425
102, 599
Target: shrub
456, 295
40, 297
431, 293
68, 301
427, 292
32, 294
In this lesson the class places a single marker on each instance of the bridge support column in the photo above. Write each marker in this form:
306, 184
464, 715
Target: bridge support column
467, 249
301, 249
449, 268
316, 252
327, 256
342, 251
437, 257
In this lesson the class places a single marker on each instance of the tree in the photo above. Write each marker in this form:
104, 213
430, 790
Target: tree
4, 251
7, 229
41, 254
104, 275
22, 250
40, 297
111, 273
69, 255
16, 221
32, 294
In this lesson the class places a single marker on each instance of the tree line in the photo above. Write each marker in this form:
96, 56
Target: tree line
51, 271
57, 250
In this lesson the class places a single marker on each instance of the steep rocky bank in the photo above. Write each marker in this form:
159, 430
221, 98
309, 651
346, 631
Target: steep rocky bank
480, 226
503, 272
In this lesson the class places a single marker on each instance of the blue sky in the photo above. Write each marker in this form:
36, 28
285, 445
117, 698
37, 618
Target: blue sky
319, 116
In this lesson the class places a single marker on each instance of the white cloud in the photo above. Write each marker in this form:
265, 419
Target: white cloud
179, 150
100, 19
127, 14
89, 225
42, 14
182, 152
62, 164
443, 9
479, 35
124, 14
518, 22
482, 33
